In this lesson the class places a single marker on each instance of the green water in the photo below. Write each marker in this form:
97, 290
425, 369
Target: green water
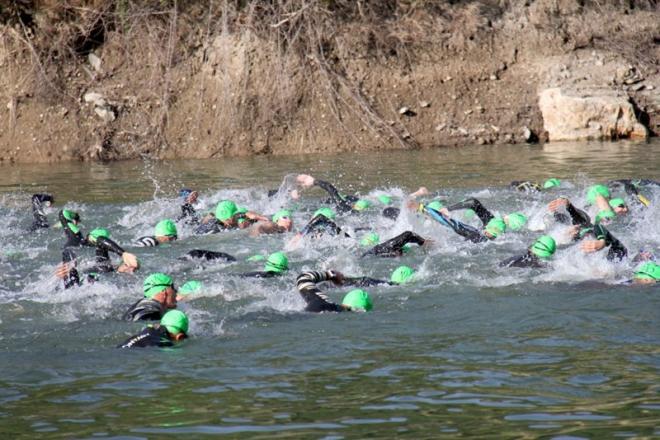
468, 350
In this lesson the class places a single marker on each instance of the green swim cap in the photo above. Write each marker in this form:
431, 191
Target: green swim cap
256, 258
70, 215
371, 239
516, 221
281, 214
402, 274
603, 215
544, 247
361, 205
189, 287
326, 212
436, 205
595, 191
469, 214
648, 271
98, 233
551, 183
495, 227
277, 262
175, 321
384, 199
617, 202
406, 248
358, 299
225, 210
156, 283
165, 228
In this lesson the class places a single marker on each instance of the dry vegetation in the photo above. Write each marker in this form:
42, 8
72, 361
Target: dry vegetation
201, 79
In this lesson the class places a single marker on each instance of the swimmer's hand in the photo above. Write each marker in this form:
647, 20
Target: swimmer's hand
305, 180
590, 246
336, 277
63, 270
421, 191
124, 268
130, 260
192, 197
556, 204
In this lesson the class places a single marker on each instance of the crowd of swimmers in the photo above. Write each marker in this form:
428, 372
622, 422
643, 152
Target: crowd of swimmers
158, 302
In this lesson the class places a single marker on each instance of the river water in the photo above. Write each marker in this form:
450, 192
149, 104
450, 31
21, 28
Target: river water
467, 350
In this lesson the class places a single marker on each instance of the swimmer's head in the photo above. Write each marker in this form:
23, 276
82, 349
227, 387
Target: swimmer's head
619, 205
402, 274
495, 227
435, 205
97, 233
648, 272
165, 230
71, 216
325, 212
544, 247
358, 300
176, 323
551, 183
597, 190
384, 199
283, 219
277, 263
604, 217
225, 210
371, 239
515, 221
190, 287
361, 205
156, 283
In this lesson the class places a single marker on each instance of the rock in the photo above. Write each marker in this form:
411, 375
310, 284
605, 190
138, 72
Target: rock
602, 115
405, 111
424, 104
105, 113
94, 98
493, 77
637, 87
468, 112
94, 61
529, 136
463, 131
440, 127
481, 141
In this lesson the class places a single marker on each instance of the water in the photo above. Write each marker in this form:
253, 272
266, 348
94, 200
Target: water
468, 349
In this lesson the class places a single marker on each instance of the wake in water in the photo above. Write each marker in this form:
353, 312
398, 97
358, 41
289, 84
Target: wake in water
244, 249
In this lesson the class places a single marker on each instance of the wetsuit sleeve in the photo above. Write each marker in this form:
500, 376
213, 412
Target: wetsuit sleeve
578, 216
394, 246
342, 205
109, 245
72, 278
364, 282
146, 242
149, 337
144, 310
188, 212
256, 274
209, 255
315, 299
526, 260
484, 214
617, 250
40, 220
321, 224
210, 227
467, 231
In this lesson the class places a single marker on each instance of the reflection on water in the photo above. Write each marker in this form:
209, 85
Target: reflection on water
467, 350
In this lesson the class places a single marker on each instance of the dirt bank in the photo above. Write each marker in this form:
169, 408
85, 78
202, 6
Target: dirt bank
106, 80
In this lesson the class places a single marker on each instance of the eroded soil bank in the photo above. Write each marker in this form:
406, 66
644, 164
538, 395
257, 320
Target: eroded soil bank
106, 80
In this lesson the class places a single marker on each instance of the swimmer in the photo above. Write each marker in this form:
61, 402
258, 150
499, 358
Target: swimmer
280, 223
276, 265
400, 275
395, 247
159, 296
317, 301
164, 232
493, 229
39, 201
188, 213
537, 255
173, 328
529, 186
647, 273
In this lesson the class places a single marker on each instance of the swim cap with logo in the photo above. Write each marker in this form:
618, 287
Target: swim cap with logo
358, 299
371, 239
277, 262
402, 274
225, 210
648, 271
495, 227
175, 321
385, 199
165, 228
544, 247
98, 233
156, 283
516, 220
604, 215
435, 205
326, 212
282, 213
189, 287
595, 191
551, 183
617, 202
361, 205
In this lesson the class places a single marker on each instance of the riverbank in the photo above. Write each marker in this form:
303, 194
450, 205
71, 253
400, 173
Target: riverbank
114, 80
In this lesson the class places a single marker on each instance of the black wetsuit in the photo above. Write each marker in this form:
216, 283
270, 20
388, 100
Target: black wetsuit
148, 241
365, 282
320, 225
343, 203
484, 214
394, 246
74, 239
467, 231
207, 255
151, 336
617, 250
575, 216
315, 299
528, 259
257, 274
40, 220
103, 247
145, 309
188, 214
